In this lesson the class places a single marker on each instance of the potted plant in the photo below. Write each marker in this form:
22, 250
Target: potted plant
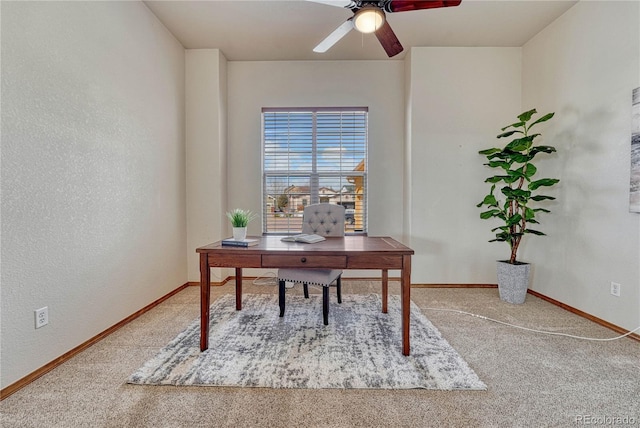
239, 221
512, 198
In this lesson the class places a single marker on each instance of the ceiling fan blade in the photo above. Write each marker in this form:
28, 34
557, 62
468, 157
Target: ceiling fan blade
407, 5
334, 37
349, 4
388, 40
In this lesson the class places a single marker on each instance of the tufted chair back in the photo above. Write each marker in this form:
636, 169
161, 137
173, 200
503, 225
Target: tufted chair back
323, 220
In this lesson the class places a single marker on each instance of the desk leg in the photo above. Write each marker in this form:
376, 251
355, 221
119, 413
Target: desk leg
205, 300
238, 289
406, 303
385, 289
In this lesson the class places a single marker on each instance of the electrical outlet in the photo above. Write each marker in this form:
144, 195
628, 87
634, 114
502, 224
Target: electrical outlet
42, 316
615, 289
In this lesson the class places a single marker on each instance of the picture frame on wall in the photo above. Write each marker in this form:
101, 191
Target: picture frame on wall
634, 185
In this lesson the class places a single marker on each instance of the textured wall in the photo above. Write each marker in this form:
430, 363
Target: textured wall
586, 77
459, 98
206, 125
93, 172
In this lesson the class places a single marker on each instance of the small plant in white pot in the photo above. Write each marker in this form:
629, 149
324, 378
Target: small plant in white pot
239, 221
512, 198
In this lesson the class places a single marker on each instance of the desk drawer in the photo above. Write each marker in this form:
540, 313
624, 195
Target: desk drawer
375, 262
332, 262
234, 261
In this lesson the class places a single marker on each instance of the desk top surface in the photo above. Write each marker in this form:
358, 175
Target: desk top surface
342, 245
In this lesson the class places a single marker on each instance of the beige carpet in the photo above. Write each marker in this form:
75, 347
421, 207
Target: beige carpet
533, 379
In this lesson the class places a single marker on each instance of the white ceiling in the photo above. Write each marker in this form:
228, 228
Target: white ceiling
273, 30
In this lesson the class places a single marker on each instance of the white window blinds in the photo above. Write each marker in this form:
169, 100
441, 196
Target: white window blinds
310, 156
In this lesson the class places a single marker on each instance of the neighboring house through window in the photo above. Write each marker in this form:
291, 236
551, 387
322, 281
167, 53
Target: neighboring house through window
313, 155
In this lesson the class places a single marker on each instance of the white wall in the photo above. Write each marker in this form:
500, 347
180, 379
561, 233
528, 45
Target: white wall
374, 84
584, 67
93, 172
206, 139
406, 163
458, 99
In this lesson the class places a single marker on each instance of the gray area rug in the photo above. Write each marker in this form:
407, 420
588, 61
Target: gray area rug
360, 348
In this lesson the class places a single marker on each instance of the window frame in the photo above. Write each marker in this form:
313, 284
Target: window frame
315, 176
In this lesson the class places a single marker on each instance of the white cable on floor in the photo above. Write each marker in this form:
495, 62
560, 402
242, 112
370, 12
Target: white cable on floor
534, 330
268, 279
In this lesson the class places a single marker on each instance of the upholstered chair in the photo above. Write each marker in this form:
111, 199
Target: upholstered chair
325, 220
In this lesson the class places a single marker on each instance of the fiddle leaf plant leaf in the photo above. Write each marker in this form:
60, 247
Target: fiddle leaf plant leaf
539, 198
508, 133
534, 232
499, 164
542, 119
520, 158
495, 179
529, 214
534, 185
519, 144
514, 219
514, 125
489, 151
529, 170
488, 214
541, 149
489, 200
527, 115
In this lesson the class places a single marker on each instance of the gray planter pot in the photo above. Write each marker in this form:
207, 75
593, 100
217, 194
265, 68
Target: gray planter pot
513, 281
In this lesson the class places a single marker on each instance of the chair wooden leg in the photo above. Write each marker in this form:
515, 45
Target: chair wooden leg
339, 289
281, 297
305, 287
325, 305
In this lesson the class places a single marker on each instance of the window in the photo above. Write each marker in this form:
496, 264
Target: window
313, 155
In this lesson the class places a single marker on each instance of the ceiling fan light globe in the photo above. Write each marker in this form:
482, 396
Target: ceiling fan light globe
368, 19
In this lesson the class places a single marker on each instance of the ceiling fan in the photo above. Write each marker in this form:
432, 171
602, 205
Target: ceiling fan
369, 17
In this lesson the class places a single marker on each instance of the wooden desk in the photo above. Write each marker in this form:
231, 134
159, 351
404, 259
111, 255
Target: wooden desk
350, 252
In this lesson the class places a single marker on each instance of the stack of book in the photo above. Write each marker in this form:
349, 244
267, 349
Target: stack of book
244, 243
